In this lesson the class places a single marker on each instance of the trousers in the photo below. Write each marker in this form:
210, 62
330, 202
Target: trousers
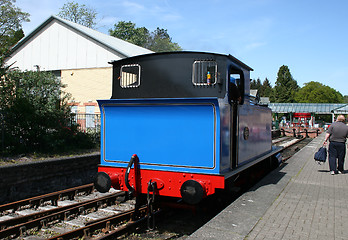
337, 151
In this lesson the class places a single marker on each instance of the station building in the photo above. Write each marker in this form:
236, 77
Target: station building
77, 55
305, 114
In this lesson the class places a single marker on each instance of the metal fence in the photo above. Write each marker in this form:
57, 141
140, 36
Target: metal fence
87, 121
2, 130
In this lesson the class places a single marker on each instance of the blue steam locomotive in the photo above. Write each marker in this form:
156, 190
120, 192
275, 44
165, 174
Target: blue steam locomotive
185, 120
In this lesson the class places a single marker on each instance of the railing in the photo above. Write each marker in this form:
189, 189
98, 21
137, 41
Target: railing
298, 133
87, 121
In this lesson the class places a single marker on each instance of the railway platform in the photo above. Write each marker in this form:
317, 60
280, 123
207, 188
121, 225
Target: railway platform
299, 200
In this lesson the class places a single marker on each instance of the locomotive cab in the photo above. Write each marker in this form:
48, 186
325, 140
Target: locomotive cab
181, 120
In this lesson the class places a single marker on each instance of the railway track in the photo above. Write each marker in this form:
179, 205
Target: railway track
179, 223
81, 212
290, 145
70, 214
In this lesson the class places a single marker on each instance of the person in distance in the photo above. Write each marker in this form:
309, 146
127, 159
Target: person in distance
337, 135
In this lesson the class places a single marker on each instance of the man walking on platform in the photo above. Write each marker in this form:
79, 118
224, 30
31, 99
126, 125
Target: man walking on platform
337, 135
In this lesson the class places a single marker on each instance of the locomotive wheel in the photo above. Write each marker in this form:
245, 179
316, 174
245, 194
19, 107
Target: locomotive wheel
192, 192
102, 182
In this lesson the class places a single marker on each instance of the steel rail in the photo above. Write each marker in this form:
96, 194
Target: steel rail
62, 213
295, 142
53, 197
278, 140
123, 229
22, 219
286, 147
104, 223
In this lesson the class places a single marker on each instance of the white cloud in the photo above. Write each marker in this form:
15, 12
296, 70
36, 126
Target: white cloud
132, 6
164, 13
254, 45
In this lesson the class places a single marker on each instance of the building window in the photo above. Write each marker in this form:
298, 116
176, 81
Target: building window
74, 109
90, 116
204, 73
130, 76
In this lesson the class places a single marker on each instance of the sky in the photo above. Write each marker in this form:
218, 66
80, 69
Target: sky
308, 36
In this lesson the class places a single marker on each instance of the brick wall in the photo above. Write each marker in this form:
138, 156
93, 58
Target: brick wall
26, 180
87, 85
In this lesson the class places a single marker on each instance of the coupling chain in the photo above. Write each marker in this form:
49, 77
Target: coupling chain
151, 190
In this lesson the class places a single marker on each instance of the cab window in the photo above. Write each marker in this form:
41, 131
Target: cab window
204, 73
130, 76
235, 87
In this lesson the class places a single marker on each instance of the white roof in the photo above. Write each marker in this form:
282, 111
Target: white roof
125, 48
61, 44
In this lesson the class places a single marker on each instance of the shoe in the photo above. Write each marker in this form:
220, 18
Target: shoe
339, 172
332, 172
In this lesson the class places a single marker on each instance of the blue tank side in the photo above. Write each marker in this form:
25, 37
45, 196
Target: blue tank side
102, 117
167, 135
254, 137
225, 138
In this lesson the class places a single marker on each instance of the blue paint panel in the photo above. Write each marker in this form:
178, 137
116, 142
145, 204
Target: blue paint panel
165, 135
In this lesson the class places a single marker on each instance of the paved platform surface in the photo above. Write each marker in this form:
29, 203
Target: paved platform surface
299, 200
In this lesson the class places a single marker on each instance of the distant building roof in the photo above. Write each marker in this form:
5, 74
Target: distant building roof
253, 92
265, 100
318, 108
341, 109
58, 44
123, 47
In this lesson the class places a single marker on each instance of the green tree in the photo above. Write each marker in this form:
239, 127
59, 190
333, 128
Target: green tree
157, 41
35, 114
285, 87
255, 84
266, 90
11, 19
160, 41
80, 14
345, 98
315, 92
128, 32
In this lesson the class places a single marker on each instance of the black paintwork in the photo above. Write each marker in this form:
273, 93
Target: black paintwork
169, 75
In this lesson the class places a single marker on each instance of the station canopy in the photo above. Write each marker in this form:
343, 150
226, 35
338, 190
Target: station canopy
316, 108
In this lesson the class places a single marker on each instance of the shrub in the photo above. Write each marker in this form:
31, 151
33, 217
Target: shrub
35, 114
